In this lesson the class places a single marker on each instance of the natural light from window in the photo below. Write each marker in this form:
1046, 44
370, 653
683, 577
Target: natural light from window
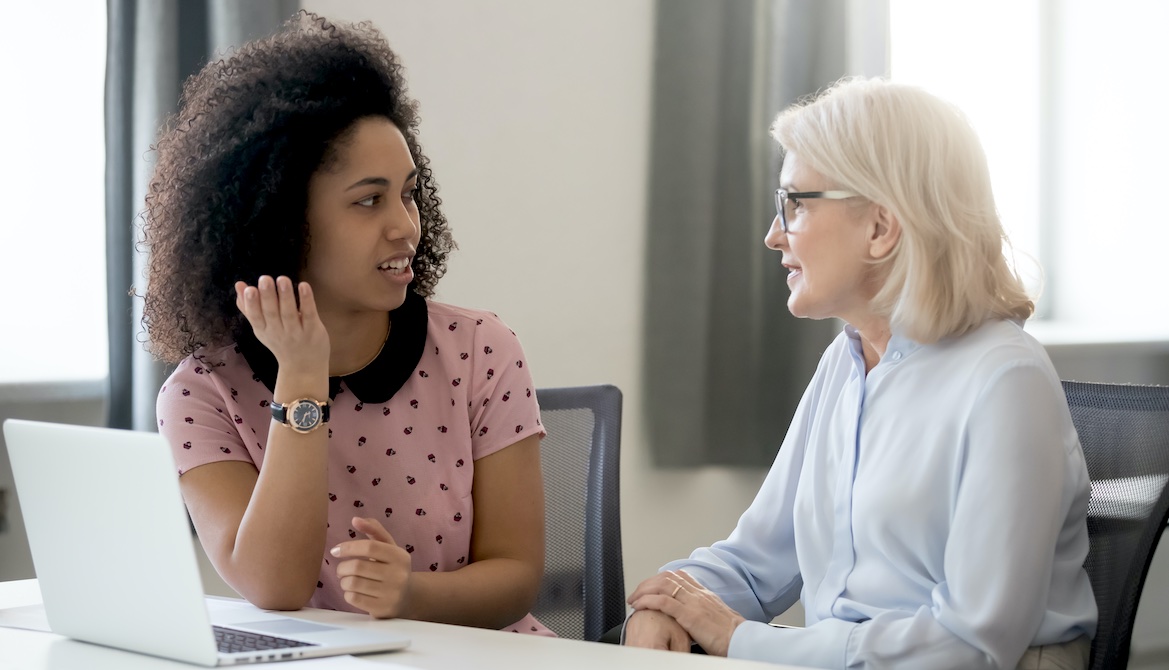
1114, 139
52, 259
945, 48
1065, 96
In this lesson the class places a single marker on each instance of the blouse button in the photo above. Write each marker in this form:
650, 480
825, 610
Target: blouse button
896, 356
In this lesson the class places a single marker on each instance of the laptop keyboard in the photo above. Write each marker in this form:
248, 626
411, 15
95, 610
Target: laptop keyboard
231, 641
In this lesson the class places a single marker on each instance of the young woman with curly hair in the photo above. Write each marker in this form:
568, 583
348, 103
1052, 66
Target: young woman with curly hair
342, 441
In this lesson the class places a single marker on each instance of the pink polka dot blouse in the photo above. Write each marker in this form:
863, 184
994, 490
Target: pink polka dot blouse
404, 452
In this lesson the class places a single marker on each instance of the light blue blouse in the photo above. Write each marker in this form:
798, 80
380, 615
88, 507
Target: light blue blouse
929, 515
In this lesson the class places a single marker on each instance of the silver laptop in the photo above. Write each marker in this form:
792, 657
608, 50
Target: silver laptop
115, 558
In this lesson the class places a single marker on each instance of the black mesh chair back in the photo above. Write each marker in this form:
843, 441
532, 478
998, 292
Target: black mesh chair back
1124, 430
583, 593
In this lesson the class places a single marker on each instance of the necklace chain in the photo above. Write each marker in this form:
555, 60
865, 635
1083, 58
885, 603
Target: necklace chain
370, 361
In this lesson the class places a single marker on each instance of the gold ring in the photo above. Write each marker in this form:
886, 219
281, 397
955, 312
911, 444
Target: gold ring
676, 590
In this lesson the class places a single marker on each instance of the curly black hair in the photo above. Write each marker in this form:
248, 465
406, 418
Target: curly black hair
229, 193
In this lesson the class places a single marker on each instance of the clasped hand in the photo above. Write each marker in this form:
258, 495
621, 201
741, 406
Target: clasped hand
672, 608
377, 577
295, 335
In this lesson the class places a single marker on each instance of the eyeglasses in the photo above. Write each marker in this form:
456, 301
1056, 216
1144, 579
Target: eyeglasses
784, 200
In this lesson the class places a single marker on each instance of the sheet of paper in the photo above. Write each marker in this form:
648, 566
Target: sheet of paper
32, 617
29, 617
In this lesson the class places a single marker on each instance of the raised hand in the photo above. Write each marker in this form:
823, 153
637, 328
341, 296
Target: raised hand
701, 613
295, 336
377, 578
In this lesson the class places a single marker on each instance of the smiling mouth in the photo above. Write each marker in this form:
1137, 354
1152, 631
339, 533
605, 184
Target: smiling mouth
395, 266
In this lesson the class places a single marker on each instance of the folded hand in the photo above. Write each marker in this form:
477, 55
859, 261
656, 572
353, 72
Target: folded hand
702, 614
377, 577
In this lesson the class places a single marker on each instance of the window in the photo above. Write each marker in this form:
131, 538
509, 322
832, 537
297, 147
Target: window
1066, 99
52, 259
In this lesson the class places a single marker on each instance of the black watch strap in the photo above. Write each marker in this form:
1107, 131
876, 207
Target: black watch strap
280, 412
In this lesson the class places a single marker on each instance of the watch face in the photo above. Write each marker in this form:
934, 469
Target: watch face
305, 415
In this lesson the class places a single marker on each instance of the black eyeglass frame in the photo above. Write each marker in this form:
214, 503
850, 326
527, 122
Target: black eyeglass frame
782, 196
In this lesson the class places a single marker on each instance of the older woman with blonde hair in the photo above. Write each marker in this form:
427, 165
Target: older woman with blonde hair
928, 504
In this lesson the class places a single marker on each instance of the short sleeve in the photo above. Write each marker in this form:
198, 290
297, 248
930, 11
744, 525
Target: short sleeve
196, 419
504, 406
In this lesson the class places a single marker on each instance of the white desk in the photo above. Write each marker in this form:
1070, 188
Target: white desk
433, 646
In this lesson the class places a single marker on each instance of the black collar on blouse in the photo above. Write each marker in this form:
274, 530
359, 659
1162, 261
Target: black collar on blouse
385, 374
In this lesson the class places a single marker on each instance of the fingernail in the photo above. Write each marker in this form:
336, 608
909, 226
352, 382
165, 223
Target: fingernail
336, 551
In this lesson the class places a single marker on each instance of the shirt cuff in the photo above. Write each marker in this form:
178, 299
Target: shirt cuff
823, 645
625, 624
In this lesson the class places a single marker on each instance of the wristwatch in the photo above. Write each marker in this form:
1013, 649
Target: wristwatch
303, 415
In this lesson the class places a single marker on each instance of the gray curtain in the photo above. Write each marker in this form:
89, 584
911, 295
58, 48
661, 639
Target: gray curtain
726, 363
153, 46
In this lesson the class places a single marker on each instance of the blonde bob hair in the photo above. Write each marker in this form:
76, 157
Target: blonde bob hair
916, 155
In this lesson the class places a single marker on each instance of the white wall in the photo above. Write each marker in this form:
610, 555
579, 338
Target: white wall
535, 116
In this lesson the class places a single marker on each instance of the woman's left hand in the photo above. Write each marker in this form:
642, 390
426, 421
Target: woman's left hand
378, 576
704, 615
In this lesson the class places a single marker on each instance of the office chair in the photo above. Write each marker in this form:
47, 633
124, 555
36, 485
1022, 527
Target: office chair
1124, 430
583, 592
